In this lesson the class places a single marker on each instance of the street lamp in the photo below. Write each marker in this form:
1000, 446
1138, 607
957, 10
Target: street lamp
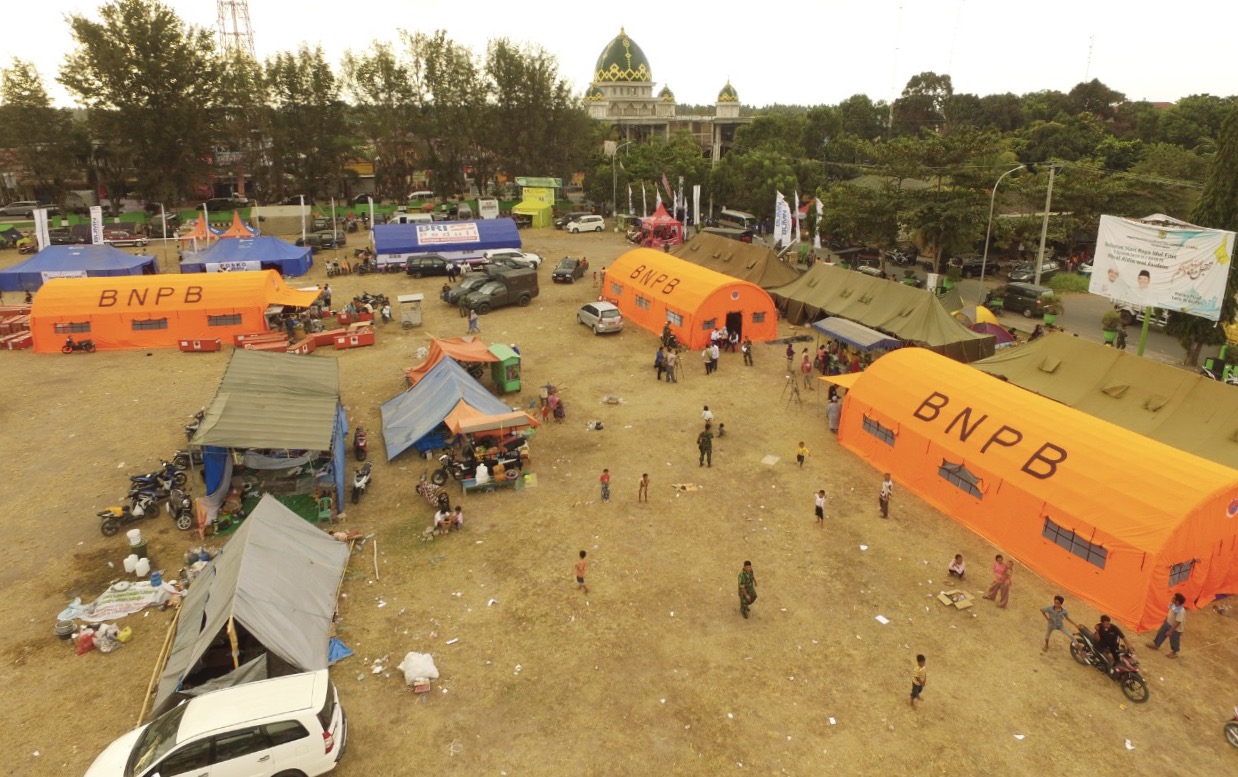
614, 182
984, 261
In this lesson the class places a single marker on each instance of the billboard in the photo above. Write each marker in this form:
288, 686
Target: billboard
1176, 266
447, 232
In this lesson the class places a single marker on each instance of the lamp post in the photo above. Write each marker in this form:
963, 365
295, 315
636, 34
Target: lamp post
614, 182
984, 261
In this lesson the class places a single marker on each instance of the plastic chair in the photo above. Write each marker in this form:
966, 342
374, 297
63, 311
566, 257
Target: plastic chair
325, 508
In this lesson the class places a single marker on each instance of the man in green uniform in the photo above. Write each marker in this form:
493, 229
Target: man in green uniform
747, 588
705, 444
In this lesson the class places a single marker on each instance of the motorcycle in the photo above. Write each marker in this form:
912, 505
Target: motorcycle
359, 446
361, 481
27, 245
900, 258
142, 504
164, 479
1083, 648
1231, 729
451, 468
181, 508
71, 345
192, 427
333, 269
187, 458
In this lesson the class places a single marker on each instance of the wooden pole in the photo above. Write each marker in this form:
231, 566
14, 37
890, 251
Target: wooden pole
160, 662
376, 558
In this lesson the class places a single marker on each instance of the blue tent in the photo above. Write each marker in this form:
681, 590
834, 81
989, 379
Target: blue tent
234, 254
74, 261
395, 243
414, 418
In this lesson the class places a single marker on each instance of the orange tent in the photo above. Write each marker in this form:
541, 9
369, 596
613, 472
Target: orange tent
462, 349
1113, 517
157, 311
239, 228
653, 288
201, 232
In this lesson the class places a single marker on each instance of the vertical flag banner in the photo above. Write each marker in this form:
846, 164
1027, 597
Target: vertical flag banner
681, 202
782, 221
96, 225
630, 211
667, 185
816, 232
644, 201
696, 205
657, 202
795, 220
40, 228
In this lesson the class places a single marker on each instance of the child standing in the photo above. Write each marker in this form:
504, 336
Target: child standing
801, 453
580, 572
887, 489
642, 494
919, 678
819, 508
605, 481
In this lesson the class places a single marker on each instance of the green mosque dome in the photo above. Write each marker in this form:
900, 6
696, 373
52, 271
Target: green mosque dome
666, 95
728, 95
622, 61
594, 94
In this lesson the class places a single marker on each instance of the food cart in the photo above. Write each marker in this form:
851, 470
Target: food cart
410, 309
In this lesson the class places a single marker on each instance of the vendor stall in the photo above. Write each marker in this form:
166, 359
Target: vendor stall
506, 371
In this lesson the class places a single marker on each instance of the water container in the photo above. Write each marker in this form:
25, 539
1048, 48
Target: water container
156, 579
143, 567
139, 549
131, 562
135, 536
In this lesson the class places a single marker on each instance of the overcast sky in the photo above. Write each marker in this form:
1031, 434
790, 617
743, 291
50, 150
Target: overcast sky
816, 52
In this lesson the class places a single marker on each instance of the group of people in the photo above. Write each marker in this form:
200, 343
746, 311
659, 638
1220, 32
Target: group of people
447, 520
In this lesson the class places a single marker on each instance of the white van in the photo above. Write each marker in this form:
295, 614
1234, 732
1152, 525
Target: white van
410, 218
736, 219
421, 195
488, 208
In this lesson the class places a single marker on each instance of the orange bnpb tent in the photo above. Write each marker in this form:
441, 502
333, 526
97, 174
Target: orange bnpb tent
157, 311
653, 288
1115, 518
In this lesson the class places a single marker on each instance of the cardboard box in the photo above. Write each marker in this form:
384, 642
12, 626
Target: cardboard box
960, 600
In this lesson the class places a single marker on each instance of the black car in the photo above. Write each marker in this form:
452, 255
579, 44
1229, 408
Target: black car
472, 282
970, 266
327, 240
226, 203
1026, 272
430, 264
569, 269
1023, 298
63, 236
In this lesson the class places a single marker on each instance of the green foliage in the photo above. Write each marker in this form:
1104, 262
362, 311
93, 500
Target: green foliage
1068, 283
922, 105
750, 180
43, 141
310, 140
1111, 320
387, 114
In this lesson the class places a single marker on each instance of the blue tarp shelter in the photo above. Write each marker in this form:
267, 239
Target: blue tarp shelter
235, 254
395, 243
415, 417
76, 261
856, 335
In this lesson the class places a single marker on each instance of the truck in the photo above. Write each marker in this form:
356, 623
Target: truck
505, 287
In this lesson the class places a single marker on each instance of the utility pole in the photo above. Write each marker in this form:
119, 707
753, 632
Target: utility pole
1044, 225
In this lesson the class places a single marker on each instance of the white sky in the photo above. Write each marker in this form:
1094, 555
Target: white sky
817, 52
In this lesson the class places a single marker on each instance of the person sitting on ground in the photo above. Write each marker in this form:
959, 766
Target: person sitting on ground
457, 519
442, 521
957, 567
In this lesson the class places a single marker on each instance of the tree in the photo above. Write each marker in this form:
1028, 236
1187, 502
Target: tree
922, 104
388, 114
244, 124
750, 180
1218, 209
40, 137
1002, 112
310, 140
862, 118
1096, 99
151, 85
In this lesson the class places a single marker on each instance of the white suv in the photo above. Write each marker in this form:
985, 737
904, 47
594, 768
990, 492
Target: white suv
587, 224
514, 257
286, 725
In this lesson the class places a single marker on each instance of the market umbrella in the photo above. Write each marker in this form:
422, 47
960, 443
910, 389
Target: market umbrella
976, 314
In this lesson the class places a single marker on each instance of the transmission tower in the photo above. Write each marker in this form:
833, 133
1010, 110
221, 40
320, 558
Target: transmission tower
235, 34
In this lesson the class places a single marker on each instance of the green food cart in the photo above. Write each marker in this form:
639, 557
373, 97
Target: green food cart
506, 371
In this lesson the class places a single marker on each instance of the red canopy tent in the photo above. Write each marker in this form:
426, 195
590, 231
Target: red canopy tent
661, 229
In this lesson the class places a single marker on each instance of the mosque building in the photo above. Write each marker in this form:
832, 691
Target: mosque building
622, 95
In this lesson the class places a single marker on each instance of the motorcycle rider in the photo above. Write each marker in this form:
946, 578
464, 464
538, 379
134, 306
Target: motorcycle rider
1111, 640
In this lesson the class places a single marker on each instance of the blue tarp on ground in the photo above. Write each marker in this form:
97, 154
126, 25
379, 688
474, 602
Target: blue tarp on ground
235, 254
452, 239
410, 418
90, 261
856, 335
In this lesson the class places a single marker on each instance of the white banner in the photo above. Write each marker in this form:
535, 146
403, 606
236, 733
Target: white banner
49, 274
40, 228
782, 221
795, 220
241, 266
1173, 267
816, 232
96, 225
644, 201
437, 234
696, 205
630, 199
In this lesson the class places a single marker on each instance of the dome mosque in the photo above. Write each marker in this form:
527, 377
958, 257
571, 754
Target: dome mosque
622, 95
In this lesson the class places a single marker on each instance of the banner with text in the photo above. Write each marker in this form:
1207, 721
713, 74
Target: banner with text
1172, 267
438, 234
782, 222
96, 225
243, 265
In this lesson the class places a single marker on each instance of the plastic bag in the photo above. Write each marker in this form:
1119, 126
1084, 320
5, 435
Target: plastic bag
418, 665
125, 634
85, 642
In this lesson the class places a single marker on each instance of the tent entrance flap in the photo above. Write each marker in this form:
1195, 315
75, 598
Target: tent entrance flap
856, 335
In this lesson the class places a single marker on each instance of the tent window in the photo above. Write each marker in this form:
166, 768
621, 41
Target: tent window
883, 433
674, 318
709, 323
73, 329
616, 289
642, 302
758, 317
958, 476
1180, 572
233, 319
152, 323
1093, 554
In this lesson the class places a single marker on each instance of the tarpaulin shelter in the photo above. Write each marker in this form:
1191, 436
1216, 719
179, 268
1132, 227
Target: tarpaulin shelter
1178, 408
856, 335
75, 261
746, 261
1116, 519
414, 418
912, 315
1001, 336
275, 401
251, 253
157, 311
466, 350
541, 213
270, 592
653, 288
397, 243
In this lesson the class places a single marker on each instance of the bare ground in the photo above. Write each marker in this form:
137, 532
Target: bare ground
653, 670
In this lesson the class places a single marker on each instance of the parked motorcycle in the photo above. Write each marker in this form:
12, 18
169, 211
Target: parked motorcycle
181, 508
359, 446
361, 481
1083, 648
187, 458
333, 269
71, 345
164, 479
1231, 729
142, 504
192, 427
451, 468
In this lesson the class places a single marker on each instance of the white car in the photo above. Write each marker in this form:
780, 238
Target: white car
589, 223
286, 725
600, 317
514, 257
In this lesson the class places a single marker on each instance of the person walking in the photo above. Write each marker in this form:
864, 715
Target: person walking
1175, 622
326, 296
833, 414
819, 507
883, 499
604, 480
1120, 340
705, 445
672, 361
747, 588
801, 453
1056, 613
790, 359
707, 357
714, 353
642, 493
806, 370
473, 327
746, 348
919, 679
708, 415
659, 362
581, 566
1000, 590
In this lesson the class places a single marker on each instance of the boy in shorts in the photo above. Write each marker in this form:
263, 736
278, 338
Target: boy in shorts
580, 572
919, 678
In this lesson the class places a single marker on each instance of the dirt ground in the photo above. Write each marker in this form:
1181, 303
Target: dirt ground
654, 670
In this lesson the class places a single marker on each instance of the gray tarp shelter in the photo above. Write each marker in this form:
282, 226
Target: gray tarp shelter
270, 591
411, 418
856, 335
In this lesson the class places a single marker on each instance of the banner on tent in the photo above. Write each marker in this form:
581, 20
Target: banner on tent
96, 225
437, 234
239, 266
538, 194
1174, 267
49, 274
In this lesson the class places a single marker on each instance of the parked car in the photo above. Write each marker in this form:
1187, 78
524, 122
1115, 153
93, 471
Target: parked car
63, 236
587, 224
122, 237
285, 725
569, 270
505, 287
296, 200
472, 282
319, 241
870, 270
1024, 298
600, 317
1026, 272
429, 264
26, 208
568, 218
226, 203
514, 257
972, 265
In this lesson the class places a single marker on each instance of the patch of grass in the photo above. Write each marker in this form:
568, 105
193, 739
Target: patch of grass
1069, 283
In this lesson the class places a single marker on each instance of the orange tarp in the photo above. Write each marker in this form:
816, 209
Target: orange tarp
652, 288
1107, 514
462, 349
238, 228
467, 420
157, 311
200, 232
